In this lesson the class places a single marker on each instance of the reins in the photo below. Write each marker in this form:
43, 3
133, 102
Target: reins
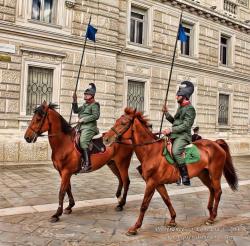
140, 144
119, 135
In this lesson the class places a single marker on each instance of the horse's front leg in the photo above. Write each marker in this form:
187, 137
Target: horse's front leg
68, 210
65, 181
149, 192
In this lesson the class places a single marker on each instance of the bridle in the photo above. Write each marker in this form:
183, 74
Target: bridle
124, 130
37, 132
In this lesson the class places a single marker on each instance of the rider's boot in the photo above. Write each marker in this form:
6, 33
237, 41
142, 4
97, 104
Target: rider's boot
184, 175
86, 164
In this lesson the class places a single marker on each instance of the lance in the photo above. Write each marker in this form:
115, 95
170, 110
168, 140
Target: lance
79, 71
170, 74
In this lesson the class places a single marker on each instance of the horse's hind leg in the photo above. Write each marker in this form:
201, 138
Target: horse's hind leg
164, 194
206, 180
68, 210
65, 181
217, 194
123, 170
115, 171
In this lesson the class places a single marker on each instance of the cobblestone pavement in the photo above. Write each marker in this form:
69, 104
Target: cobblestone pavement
102, 225
22, 186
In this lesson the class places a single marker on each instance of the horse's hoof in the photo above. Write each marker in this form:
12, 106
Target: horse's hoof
118, 208
172, 224
131, 232
54, 219
67, 211
209, 222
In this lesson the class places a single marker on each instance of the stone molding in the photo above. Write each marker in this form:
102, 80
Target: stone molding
43, 51
207, 13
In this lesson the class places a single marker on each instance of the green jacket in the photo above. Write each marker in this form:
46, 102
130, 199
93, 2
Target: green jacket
89, 113
182, 122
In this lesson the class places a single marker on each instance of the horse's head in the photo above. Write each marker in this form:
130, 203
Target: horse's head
38, 124
122, 127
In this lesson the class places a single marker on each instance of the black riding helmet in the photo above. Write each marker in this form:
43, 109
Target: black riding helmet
186, 89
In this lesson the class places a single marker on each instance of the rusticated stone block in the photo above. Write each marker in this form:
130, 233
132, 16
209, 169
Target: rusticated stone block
11, 77
12, 106
33, 152
10, 3
2, 105
1, 152
11, 152
11, 124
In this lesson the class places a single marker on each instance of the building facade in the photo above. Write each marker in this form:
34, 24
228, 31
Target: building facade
41, 43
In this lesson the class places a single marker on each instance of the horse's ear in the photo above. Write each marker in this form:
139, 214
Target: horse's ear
44, 103
135, 110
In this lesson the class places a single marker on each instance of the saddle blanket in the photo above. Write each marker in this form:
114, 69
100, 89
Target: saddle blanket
191, 153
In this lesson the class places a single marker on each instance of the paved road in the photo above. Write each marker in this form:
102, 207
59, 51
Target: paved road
102, 225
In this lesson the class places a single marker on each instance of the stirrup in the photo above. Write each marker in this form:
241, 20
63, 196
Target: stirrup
85, 169
186, 181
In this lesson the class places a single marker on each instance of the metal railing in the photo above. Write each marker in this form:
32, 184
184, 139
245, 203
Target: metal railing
230, 7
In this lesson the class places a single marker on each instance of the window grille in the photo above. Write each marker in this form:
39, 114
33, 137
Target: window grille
135, 97
223, 109
230, 7
40, 86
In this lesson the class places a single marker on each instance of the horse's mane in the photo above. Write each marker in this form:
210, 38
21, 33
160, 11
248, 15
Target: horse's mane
65, 126
142, 118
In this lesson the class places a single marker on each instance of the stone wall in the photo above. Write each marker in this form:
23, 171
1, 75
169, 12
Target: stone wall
7, 10
112, 61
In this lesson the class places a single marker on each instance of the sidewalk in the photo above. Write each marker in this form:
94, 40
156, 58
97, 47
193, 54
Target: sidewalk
93, 224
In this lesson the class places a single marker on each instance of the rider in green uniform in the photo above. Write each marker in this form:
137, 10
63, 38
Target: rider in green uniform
88, 115
181, 126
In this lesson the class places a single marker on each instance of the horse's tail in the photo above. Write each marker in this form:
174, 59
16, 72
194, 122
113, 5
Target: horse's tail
229, 170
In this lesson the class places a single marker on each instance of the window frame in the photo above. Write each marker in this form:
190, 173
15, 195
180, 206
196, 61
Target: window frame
143, 21
190, 40
146, 46
29, 70
146, 91
42, 10
230, 99
188, 21
231, 40
24, 83
227, 49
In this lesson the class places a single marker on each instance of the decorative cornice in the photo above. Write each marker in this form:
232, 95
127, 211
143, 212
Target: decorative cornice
196, 8
39, 34
43, 51
183, 64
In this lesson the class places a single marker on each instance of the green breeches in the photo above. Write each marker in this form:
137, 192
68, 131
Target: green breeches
178, 149
85, 138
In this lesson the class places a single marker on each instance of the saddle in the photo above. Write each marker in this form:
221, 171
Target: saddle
191, 153
96, 145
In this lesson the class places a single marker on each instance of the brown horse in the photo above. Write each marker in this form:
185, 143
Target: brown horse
156, 171
66, 159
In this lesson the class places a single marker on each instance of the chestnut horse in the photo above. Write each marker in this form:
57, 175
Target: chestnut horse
156, 171
66, 159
